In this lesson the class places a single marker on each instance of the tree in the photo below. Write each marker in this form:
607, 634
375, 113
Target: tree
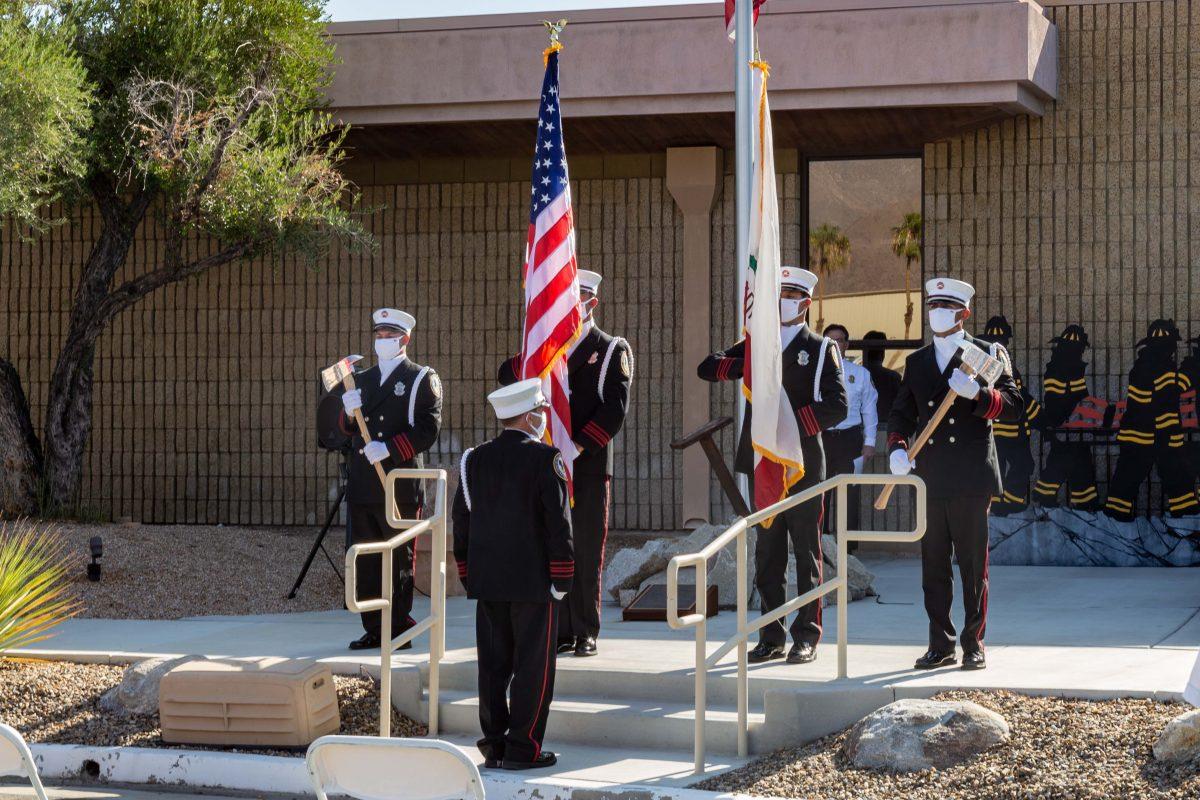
906, 244
206, 121
828, 251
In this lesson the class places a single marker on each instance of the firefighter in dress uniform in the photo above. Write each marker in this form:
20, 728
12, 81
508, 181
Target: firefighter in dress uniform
854, 437
599, 374
959, 467
812, 378
1151, 432
1065, 403
1189, 376
512, 545
401, 402
1012, 438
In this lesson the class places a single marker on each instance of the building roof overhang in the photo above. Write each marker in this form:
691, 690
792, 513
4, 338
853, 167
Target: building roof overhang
847, 76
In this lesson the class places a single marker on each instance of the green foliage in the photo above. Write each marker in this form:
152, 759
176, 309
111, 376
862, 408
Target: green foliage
34, 594
44, 112
829, 248
906, 238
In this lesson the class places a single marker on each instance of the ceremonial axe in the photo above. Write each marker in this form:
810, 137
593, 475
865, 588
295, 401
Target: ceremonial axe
343, 372
977, 363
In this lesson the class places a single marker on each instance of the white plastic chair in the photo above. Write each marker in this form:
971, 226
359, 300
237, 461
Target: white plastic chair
371, 768
15, 759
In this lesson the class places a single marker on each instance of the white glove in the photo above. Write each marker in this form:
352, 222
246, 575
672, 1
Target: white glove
963, 384
351, 401
375, 452
900, 462
556, 594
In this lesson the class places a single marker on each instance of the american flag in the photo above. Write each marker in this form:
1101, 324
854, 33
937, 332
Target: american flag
552, 318
730, 24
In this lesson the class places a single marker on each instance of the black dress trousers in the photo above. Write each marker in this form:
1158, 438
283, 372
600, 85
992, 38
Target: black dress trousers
802, 526
369, 524
516, 646
958, 527
841, 448
589, 528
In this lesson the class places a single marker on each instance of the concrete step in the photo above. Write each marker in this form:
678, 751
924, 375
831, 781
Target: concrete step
606, 722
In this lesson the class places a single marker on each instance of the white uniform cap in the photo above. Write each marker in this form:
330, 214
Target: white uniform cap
797, 278
518, 398
589, 281
949, 289
393, 318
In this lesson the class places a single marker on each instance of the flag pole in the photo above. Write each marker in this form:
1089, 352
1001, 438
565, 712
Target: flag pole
743, 174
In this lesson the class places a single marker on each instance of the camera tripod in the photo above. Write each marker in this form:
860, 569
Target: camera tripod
319, 544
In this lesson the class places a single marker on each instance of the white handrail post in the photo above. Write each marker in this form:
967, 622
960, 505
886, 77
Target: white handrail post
437, 638
743, 678
843, 593
385, 647
701, 665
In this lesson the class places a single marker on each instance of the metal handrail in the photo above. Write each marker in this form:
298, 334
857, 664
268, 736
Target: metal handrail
435, 622
840, 584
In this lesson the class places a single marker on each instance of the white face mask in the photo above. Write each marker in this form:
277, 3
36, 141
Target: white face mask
942, 319
789, 309
387, 349
539, 428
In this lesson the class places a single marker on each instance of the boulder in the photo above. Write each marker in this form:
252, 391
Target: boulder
1180, 741
861, 581
137, 693
631, 567
914, 735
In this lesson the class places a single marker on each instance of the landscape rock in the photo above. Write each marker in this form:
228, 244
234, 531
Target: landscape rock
861, 581
913, 735
1180, 740
632, 567
137, 693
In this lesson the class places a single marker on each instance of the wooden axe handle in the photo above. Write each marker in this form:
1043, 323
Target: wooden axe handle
363, 430
882, 502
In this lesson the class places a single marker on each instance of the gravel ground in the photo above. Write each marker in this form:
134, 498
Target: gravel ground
174, 571
57, 702
1060, 750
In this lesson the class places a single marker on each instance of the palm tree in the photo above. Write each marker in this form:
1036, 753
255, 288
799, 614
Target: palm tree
906, 244
828, 251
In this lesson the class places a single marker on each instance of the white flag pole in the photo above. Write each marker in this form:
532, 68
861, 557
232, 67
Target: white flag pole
743, 174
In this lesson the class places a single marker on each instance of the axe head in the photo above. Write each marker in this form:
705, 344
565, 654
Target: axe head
332, 376
980, 363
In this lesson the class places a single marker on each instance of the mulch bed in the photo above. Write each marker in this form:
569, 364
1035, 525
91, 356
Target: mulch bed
1059, 750
58, 702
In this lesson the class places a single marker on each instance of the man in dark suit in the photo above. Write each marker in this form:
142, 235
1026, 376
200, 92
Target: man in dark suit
512, 544
599, 372
401, 402
812, 378
958, 464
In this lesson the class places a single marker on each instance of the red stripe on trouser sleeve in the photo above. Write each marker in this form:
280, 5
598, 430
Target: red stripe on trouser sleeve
543, 707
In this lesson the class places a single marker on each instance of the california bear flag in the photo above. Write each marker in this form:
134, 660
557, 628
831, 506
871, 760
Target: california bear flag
774, 431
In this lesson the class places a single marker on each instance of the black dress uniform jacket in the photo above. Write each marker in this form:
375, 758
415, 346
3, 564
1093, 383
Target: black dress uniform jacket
599, 372
405, 413
800, 360
960, 458
519, 544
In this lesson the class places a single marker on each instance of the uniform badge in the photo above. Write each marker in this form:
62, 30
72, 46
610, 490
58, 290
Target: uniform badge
802, 360
560, 469
435, 385
595, 357
850, 378
400, 389
626, 368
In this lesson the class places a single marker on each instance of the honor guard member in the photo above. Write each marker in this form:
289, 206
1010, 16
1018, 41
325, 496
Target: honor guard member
1012, 438
401, 402
853, 437
959, 467
1151, 432
512, 543
812, 378
599, 373
1066, 403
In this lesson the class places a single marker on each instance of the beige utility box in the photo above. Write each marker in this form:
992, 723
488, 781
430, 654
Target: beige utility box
272, 702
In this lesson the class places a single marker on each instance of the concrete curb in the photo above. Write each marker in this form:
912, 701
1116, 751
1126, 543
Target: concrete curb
281, 775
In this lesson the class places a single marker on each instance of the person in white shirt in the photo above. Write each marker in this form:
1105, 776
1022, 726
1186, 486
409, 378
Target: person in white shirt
854, 437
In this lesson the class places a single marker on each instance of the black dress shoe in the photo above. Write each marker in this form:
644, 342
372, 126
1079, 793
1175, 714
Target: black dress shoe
933, 659
492, 763
585, 646
543, 760
565, 646
764, 651
974, 660
368, 641
802, 653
